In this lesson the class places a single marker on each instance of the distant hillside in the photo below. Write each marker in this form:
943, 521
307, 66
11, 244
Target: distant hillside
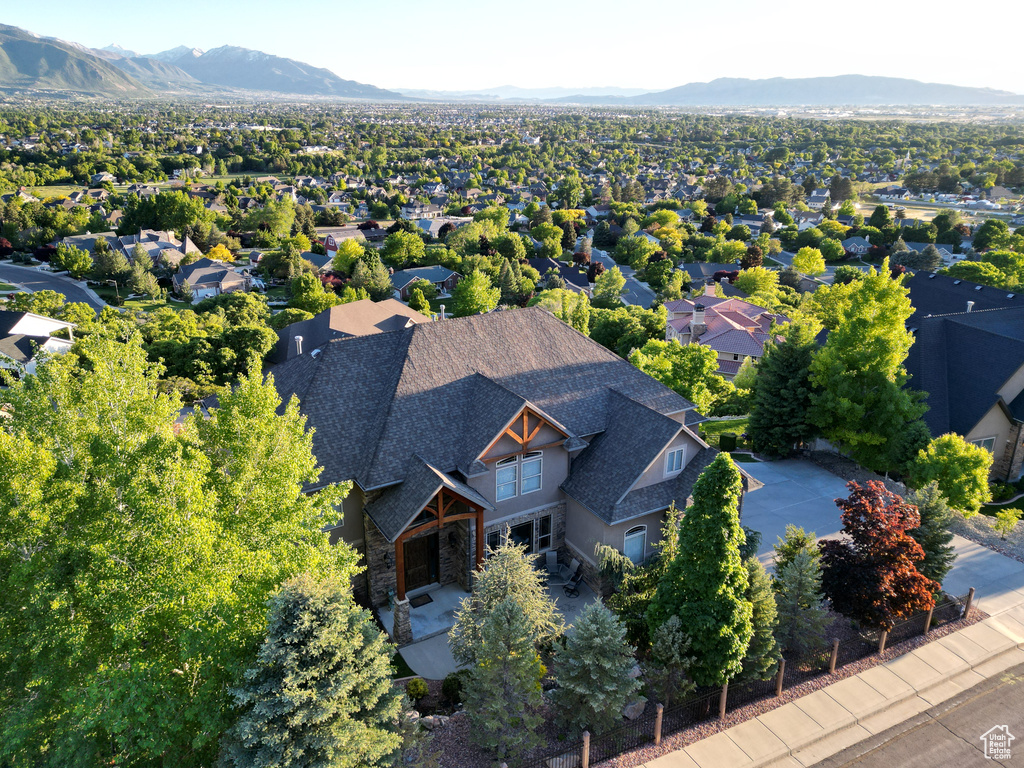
30, 61
811, 91
154, 74
254, 70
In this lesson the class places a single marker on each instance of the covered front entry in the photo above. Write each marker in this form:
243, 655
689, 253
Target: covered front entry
419, 548
422, 567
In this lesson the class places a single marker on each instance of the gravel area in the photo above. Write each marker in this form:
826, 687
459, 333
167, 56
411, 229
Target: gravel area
979, 530
847, 469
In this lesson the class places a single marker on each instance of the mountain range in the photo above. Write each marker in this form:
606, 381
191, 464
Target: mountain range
31, 62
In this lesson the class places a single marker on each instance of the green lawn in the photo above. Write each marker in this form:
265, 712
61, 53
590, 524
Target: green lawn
107, 293
401, 668
712, 430
7, 287
277, 293
992, 509
743, 458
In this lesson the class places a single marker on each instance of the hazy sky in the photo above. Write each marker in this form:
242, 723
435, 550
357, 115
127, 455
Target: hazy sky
655, 45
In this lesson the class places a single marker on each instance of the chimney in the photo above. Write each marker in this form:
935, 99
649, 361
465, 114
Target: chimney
697, 326
298, 345
709, 290
970, 305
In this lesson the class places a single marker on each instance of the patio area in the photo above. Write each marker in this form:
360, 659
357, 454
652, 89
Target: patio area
429, 656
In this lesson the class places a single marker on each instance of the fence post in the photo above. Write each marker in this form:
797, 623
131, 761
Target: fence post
835, 656
586, 749
721, 701
881, 641
970, 602
779, 676
928, 619
657, 724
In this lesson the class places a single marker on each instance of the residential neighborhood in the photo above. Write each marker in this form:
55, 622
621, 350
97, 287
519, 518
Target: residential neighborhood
474, 430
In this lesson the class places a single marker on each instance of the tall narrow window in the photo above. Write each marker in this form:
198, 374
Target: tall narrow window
544, 533
532, 465
635, 544
507, 471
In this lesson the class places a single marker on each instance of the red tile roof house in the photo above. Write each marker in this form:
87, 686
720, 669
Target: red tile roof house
454, 432
732, 327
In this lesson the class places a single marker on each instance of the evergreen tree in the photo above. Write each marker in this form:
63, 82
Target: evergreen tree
592, 671
141, 280
933, 534
504, 693
111, 265
762, 659
320, 693
507, 284
670, 662
418, 302
508, 574
782, 391
801, 611
370, 274
705, 584
796, 540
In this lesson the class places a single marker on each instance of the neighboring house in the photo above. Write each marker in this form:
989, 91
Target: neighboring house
856, 246
575, 277
460, 432
818, 198
442, 278
321, 261
209, 278
599, 211
734, 328
357, 318
932, 294
807, 219
891, 194
971, 365
23, 335
416, 210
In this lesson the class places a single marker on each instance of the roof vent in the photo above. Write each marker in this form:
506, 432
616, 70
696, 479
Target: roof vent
1010, 295
298, 345
970, 305
931, 276
957, 282
977, 287
315, 353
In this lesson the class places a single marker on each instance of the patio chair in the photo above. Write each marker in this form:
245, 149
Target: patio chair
567, 573
551, 561
572, 587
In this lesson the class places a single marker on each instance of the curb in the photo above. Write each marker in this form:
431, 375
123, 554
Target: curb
793, 751
888, 705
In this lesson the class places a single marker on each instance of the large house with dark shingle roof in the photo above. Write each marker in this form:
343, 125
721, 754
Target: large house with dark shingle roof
456, 432
734, 328
971, 365
24, 335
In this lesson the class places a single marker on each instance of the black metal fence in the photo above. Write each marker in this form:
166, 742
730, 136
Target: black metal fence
708, 704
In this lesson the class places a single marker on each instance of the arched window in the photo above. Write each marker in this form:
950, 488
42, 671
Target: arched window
635, 544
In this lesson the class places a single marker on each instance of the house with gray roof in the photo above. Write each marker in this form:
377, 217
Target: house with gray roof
442, 278
459, 433
208, 277
970, 364
24, 335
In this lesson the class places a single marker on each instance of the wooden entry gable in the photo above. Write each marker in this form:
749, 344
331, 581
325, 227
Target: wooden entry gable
523, 430
438, 510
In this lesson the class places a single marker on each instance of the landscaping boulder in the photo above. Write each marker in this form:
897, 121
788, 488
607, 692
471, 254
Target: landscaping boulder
634, 710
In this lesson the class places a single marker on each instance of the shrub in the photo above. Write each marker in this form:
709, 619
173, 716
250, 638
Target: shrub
453, 685
727, 441
417, 688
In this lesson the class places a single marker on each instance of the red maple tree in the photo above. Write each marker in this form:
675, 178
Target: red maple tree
872, 577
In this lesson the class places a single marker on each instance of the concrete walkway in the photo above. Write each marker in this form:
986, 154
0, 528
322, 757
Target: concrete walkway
825, 722
806, 731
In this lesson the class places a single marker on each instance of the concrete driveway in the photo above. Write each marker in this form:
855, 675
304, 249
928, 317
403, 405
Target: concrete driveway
800, 493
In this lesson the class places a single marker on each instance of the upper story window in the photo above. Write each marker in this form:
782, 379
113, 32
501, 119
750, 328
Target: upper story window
988, 443
674, 460
507, 476
518, 475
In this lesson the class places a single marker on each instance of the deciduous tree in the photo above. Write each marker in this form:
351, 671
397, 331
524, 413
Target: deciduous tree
474, 295
960, 469
872, 575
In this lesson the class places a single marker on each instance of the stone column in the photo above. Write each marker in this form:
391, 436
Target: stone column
402, 634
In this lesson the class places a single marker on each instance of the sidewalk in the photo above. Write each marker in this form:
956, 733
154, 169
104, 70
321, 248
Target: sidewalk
808, 730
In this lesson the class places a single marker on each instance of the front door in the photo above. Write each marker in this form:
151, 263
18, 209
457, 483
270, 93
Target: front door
421, 561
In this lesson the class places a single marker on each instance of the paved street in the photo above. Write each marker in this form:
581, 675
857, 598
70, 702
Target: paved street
35, 280
950, 733
634, 292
